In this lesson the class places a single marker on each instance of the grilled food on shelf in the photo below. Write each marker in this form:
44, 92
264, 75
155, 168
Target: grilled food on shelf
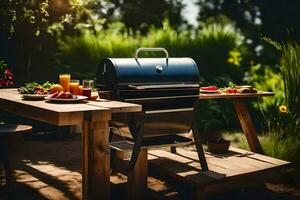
246, 89
233, 89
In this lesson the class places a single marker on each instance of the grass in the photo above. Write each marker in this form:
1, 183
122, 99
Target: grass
285, 149
290, 68
288, 122
237, 139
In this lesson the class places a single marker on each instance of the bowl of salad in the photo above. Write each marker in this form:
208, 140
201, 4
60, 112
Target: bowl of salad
34, 90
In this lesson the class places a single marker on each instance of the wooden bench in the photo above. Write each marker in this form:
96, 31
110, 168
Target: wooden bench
235, 169
8, 133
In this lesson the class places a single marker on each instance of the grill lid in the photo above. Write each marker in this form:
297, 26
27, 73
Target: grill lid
149, 73
132, 78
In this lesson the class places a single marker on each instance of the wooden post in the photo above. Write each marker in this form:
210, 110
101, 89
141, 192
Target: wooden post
96, 160
247, 125
137, 177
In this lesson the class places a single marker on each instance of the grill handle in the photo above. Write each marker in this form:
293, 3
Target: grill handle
171, 86
151, 49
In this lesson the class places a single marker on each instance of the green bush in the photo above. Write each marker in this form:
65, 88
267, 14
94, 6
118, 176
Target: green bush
283, 111
209, 47
266, 78
287, 121
290, 69
81, 55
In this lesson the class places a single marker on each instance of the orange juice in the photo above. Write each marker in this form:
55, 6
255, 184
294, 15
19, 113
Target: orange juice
80, 90
64, 81
74, 86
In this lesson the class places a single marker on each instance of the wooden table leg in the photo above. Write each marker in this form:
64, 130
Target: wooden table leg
137, 177
96, 160
242, 112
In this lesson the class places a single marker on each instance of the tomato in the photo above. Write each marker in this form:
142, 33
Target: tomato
232, 91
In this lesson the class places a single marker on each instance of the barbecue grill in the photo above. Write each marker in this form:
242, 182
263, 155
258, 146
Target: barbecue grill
167, 88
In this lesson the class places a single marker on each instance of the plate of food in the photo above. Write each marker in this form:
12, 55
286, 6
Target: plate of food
209, 89
65, 97
34, 96
34, 91
237, 89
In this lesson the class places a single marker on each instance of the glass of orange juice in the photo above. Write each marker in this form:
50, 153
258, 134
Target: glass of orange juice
80, 88
64, 81
74, 86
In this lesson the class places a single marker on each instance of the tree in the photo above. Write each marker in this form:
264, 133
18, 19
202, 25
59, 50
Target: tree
28, 29
141, 14
277, 19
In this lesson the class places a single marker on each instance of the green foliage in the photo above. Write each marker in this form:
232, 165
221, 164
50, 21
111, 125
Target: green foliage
209, 47
266, 78
142, 14
282, 148
286, 123
82, 54
3, 67
282, 112
256, 18
28, 29
209, 116
290, 69
213, 45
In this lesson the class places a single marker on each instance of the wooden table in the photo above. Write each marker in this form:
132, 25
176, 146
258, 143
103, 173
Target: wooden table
94, 116
241, 109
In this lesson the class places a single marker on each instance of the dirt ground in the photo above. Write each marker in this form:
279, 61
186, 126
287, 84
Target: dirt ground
48, 167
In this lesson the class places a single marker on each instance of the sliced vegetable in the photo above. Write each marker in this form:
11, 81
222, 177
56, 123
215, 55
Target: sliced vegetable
210, 88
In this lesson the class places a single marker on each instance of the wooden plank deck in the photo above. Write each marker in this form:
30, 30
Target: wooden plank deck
233, 170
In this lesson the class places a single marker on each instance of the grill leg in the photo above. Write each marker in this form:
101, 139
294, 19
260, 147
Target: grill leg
173, 149
137, 146
111, 136
112, 160
199, 147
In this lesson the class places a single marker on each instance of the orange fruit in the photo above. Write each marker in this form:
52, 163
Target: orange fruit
56, 88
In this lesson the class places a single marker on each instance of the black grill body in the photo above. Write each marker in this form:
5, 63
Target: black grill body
167, 88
